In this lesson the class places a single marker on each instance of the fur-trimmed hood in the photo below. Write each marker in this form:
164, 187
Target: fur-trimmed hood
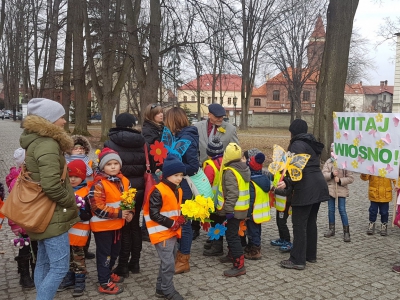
43, 128
83, 141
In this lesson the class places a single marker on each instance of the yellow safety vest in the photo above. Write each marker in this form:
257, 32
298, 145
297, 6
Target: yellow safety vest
243, 202
261, 209
215, 184
280, 202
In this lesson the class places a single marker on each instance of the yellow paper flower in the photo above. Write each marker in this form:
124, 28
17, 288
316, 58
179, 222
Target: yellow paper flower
356, 141
221, 129
334, 115
379, 117
354, 163
380, 144
338, 135
128, 199
382, 172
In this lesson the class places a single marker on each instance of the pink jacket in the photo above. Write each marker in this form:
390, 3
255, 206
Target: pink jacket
10, 181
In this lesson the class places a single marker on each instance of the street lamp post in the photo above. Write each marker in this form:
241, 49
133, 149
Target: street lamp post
234, 104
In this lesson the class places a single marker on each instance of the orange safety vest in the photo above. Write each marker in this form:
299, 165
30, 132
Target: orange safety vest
113, 199
171, 208
79, 233
1, 215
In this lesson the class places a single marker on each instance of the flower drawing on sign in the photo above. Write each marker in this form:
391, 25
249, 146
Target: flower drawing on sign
382, 172
338, 135
379, 117
356, 142
354, 163
380, 144
334, 115
221, 129
158, 151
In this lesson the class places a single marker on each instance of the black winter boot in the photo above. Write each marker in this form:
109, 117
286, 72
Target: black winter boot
346, 234
23, 269
79, 285
238, 268
217, 248
68, 282
331, 230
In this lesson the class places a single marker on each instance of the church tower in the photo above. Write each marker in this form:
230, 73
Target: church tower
316, 44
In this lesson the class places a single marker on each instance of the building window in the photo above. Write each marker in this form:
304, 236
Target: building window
193, 98
209, 100
202, 100
229, 101
306, 95
257, 102
384, 97
215, 100
221, 100
184, 98
275, 95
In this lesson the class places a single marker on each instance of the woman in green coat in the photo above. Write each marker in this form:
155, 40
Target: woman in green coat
45, 142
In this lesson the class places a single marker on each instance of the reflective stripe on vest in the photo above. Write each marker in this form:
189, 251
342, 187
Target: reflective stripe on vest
280, 202
79, 234
170, 208
112, 196
261, 209
243, 201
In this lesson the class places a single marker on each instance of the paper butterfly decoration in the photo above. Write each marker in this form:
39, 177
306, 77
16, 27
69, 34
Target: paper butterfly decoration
344, 165
359, 136
346, 135
290, 162
177, 147
371, 169
335, 125
387, 139
360, 159
396, 121
389, 168
373, 132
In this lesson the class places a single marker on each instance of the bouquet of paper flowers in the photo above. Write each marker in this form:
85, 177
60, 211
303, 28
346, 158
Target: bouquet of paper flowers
128, 199
198, 209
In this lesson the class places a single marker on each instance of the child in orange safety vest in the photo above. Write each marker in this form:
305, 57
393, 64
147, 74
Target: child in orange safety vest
108, 218
162, 213
79, 233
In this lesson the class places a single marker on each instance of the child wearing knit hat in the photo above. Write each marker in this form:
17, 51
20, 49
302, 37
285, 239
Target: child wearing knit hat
211, 167
162, 213
108, 218
258, 213
79, 233
81, 151
27, 252
233, 203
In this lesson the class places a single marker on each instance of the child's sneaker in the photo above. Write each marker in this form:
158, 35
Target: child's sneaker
286, 247
116, 279
110, 288
278, 242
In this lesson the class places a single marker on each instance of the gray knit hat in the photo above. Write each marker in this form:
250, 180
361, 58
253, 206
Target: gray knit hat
106, 155
46, 108
252, 152
215, 147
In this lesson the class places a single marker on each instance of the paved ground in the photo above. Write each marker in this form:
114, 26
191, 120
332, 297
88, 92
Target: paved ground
357, 270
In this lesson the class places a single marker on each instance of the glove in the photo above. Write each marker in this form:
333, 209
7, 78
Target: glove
181, 220
229, 216
175, 226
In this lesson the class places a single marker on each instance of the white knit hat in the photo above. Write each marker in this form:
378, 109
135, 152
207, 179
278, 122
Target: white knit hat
19, 156
46, 108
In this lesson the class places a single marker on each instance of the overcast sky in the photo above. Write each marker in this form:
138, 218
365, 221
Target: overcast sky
369, 16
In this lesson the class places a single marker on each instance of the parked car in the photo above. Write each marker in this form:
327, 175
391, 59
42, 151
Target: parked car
96, 116
18, 115
1, 114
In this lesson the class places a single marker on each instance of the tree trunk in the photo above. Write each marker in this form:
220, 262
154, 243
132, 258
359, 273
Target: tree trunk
332, 78
80, 90
66, 91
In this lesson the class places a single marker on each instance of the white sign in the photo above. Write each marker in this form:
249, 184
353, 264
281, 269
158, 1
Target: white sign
367, 143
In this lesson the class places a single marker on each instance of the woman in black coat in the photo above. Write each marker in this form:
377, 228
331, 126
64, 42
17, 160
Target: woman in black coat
308, 193
129, 143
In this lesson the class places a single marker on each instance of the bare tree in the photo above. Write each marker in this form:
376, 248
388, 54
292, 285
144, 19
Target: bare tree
332, 79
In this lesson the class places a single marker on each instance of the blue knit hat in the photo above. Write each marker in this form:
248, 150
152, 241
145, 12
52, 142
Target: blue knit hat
172, 165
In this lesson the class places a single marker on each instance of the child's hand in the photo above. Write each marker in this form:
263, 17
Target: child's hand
281, 185
335, 172
125, 214
129, 217
337, 179
175, 226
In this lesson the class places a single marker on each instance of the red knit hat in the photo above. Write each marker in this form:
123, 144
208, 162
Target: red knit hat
106, 155
256, 161
77, 168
